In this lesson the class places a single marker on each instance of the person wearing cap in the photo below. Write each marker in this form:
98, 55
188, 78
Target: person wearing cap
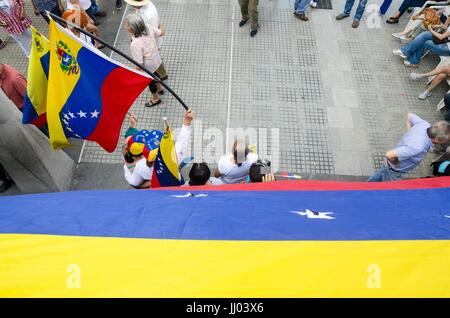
141, 176
147, 10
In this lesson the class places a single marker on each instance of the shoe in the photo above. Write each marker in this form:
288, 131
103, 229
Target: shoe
341, 16
406, 40
152, 104
96, 23
119, 5
415, 76
242, 23
398, 36
164, 78
313, 4
424, 95
399, 53
253, 33
2, 44
5, 185
392, 20
161, 92
301, 16
355, 23
408, 64
100, 14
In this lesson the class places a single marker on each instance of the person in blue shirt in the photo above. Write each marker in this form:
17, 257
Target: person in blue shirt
412, 148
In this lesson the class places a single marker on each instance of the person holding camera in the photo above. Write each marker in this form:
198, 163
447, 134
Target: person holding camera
260, 171
436, 42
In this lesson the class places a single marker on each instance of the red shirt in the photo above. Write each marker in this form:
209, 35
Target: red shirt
13, 84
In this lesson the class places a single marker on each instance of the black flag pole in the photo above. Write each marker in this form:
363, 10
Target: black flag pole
112, 48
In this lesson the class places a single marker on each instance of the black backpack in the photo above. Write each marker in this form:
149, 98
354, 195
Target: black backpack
441, 168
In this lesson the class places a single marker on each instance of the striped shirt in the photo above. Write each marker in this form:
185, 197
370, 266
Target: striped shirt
14, 25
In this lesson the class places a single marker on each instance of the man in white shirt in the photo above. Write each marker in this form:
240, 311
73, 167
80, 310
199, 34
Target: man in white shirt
147, 10
143, 171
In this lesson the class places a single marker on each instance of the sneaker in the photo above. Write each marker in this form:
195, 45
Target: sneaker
100, 14
242, 23
398, 36
118, 4
399, 53
355, 23
253, 33
409, 64
424, 95
341, 16
415, 76
313, 4
301, 16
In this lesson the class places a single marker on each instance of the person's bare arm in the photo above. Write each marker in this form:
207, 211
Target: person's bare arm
408, 121
36, 10
217, 173
439, 35
392, 156
60, 6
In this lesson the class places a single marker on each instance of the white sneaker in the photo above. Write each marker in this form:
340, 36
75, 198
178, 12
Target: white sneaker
409, 64
399, 53
415, 76
313, 4
424, 95
398, 36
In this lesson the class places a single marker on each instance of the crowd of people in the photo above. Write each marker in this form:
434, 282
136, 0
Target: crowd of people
241, 165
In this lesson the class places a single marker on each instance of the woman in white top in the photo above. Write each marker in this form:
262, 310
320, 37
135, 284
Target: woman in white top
234, 167
145, 51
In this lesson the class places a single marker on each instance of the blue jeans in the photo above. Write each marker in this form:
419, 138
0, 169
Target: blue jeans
414, 50
301, 6
359, 10
386, 174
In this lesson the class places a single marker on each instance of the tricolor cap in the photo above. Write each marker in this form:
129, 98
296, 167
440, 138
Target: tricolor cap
144, 142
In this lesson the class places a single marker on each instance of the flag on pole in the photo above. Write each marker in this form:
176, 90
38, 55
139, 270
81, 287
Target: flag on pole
35, 102
165, 169
89, 94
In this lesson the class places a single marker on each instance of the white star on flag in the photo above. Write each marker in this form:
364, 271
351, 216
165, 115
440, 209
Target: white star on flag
95, 114
71, 115
81, 114
66, 117
315, 215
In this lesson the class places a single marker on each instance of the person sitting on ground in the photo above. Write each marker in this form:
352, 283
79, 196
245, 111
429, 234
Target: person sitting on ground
82, 20
414, 50
200, 174
13, 84
90, 6
420, 19
141, 176
234, 167
440, 74
412, 148
145, 51
260, 171
403, 7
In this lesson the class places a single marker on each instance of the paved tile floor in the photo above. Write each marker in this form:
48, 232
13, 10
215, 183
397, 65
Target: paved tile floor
336, 96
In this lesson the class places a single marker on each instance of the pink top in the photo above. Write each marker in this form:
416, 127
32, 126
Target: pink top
145, 51
13, 84
15, 26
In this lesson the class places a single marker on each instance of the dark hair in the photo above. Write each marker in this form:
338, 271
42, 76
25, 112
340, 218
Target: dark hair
240, 147
199, 174
128, 157
258, 170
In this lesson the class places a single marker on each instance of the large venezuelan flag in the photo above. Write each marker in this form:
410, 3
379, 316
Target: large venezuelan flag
35, 101
279, 239
88, 93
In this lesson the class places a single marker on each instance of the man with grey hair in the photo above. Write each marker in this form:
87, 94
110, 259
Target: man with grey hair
412, 148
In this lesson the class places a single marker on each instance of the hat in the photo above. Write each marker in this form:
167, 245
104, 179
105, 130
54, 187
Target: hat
144, 142
137, 3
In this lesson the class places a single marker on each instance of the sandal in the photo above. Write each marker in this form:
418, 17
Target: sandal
392, 20
152, 104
